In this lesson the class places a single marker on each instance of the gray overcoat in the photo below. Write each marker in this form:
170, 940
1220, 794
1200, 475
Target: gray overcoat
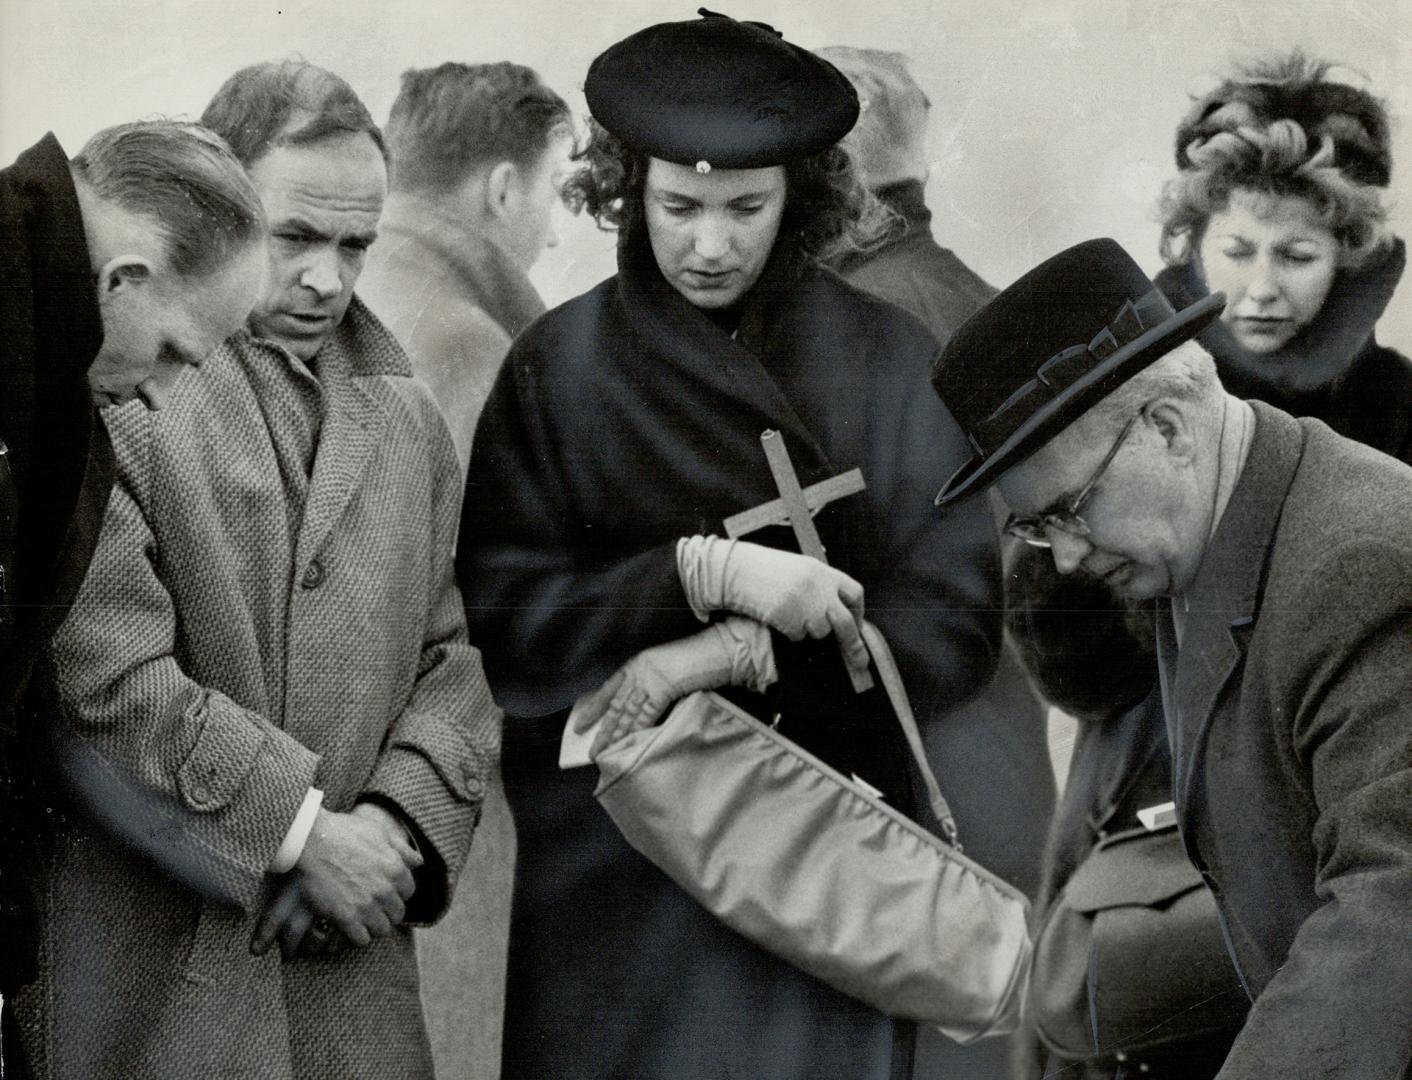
1289, 708
271, 607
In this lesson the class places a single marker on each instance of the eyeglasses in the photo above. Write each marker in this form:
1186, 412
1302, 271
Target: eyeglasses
1034, 529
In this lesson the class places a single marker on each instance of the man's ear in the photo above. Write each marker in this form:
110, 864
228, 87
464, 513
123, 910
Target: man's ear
1173, 421
502, 186
123, 272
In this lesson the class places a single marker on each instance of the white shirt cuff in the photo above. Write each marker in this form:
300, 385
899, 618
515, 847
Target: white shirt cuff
298, 835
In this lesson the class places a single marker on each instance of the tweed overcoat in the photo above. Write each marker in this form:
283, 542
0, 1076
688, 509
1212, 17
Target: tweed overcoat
1289, 709
271, 607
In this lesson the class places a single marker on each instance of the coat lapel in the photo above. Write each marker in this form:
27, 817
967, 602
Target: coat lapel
1225, 598
359, 354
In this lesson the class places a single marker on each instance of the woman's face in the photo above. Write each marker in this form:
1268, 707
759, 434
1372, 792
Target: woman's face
1274, 261
712, 232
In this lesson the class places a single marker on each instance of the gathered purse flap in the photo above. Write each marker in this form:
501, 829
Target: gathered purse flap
1136, 867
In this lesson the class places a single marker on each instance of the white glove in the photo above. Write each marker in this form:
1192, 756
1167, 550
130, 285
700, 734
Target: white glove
735, 651
794, 594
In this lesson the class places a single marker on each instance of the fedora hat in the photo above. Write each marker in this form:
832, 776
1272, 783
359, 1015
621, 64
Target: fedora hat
1048, 348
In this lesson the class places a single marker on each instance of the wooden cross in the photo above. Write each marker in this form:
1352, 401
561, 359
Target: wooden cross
796, 508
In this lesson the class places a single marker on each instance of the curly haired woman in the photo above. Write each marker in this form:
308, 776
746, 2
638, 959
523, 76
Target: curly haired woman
624, 428
1279, 205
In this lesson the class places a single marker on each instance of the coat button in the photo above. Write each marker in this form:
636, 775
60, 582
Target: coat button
475, 787
313, 575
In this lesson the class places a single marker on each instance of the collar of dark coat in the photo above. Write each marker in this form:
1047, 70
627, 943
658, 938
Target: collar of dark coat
46, 209
490, 278
907, 200
1224, 600
774, 328
1321, 357
58, 450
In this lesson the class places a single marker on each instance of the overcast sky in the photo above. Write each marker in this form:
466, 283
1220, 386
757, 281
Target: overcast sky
1052, 119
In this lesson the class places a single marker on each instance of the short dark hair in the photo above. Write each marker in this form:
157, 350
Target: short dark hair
449, 120
185, 180
828, 212
286, 103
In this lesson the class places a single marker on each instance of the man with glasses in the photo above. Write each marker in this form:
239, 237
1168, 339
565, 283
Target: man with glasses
1284, 631
1033, 529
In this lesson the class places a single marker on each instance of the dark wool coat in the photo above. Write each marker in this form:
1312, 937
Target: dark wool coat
1289, 708
55, 474
622, 421
912, 271
271, 606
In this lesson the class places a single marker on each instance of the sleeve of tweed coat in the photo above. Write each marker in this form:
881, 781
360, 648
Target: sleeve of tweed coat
438, 757
1341, 1005
203, 787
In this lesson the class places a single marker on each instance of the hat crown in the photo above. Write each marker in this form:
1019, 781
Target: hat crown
1049, 347
1061, 304
733, 94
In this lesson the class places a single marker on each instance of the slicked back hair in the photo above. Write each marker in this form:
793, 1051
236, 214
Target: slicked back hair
450, 120
183, 178
286, 103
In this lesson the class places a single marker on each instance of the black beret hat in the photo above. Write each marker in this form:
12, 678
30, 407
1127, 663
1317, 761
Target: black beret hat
1049, 348
729, 94
1294, 88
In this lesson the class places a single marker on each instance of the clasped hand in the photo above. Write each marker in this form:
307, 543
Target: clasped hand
798, 596
354, 875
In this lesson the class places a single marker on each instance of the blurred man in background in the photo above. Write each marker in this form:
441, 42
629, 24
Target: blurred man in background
889, 143
477, 153
163, 220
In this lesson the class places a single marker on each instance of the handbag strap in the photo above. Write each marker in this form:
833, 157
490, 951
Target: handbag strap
897, 694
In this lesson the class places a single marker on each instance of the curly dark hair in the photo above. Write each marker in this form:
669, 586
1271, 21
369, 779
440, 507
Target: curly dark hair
828, 211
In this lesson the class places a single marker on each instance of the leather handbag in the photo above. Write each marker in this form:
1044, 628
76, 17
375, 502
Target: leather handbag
815, 868
1130, 958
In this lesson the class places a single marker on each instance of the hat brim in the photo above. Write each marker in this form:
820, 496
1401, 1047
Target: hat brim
1075, 400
